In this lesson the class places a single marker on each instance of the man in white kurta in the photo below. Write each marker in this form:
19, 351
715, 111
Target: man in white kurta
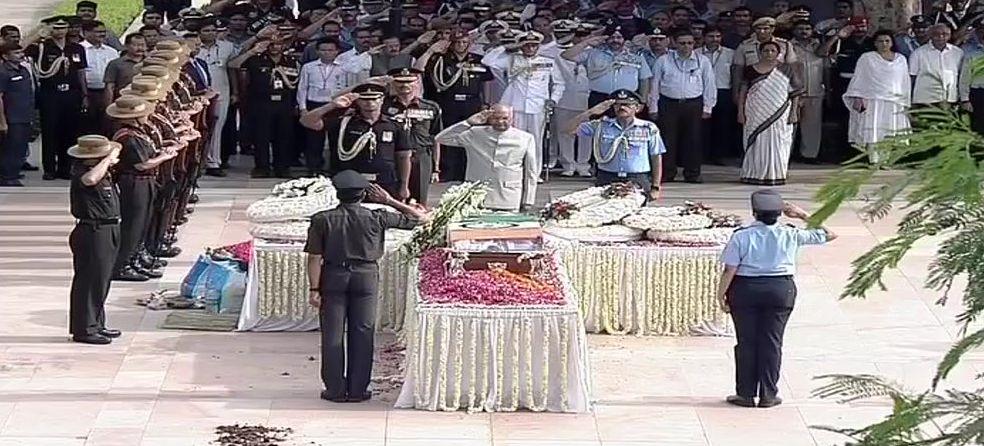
533, 84
935, 66
499, 154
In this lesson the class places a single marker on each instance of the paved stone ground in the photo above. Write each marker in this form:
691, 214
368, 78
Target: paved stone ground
158, 387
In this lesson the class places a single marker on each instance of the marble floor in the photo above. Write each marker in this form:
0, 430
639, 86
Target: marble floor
162, 387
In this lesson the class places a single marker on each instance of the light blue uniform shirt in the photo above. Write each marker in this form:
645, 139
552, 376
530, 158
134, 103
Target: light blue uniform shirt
679, 78
608, 71
637, 142
762, 250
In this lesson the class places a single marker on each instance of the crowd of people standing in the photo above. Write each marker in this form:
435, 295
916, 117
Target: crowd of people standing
722, 83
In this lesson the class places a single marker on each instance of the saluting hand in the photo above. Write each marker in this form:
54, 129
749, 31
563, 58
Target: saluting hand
114, 157
427, 37
602, 106
793, 211
440, 46
479, 118
345, 100
377, 194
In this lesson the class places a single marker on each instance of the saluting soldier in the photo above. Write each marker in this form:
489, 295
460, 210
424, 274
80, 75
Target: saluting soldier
60, 67
136, 177
456, 78
270, 84
364, 139
533, 84
421, 120
757, 288
626, 148
344, 245
94, 241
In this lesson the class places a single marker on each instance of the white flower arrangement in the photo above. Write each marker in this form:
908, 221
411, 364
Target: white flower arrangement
664, 223
283, 230
591, 209
704, 237
294, 200
456, 203
607, 233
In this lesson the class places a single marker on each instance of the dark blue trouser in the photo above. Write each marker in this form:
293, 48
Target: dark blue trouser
13, 150
760, 308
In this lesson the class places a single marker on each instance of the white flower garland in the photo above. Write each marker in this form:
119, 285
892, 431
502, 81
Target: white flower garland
594, 210
294, 200
659, 223
709, 236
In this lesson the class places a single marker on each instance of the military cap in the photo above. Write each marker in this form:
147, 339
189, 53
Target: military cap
511, 17
405, 74
623, 96
726, 15
767, 200
563, 26
530, 37
56, 22
349, 179
492, 25
86, 4
191, 13
657, 33
481, 7
920, 21
349, 6
370, 91
508, 36
764, 21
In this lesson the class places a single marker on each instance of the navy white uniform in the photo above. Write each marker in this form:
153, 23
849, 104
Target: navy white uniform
762, 294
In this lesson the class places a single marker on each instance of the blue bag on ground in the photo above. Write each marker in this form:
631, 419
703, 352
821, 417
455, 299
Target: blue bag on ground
220, 283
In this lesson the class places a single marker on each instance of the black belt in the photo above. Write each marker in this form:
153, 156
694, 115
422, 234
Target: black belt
99, 221
784, 277
669, 99
348, 263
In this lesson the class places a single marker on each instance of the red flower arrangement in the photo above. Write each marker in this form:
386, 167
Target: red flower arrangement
488, 287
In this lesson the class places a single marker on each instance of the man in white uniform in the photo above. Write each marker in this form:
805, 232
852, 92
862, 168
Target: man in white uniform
216, 53
534, 84
498, 153
573, 102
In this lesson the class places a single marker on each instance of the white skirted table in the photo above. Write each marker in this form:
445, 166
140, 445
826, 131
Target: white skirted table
622, 289
496, 358
276, 292
645, 289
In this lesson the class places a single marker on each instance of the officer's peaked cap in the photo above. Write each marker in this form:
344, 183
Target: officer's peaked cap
349, 179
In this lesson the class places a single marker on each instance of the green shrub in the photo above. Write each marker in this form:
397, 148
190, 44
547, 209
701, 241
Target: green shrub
116, 14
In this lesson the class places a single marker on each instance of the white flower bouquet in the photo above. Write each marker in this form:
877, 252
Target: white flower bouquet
662, 220
594, 206
456, 203
296, 199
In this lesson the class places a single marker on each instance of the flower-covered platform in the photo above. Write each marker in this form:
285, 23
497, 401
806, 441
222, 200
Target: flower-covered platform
507, 341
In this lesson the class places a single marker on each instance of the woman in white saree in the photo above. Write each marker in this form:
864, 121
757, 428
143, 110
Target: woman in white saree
767, 109
878, 96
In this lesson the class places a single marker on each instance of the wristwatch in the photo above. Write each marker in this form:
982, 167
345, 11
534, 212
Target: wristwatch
312, 289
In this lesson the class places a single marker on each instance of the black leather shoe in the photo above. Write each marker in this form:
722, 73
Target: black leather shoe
29, 168
694, 180
92, 339
127, 274
189, 211
151, 273
169, 251
333, 398
740, 401
224, 166
193, 198
110, 333
216, 172
11, 183
770, 402
358, 399
181, 220
148, 262
48, 176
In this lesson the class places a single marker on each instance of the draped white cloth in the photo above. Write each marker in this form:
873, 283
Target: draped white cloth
885, 87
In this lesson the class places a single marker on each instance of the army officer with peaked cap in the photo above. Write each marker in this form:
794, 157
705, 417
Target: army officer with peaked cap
757, 288
343, 246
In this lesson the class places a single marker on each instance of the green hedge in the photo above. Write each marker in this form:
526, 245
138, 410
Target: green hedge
116, 14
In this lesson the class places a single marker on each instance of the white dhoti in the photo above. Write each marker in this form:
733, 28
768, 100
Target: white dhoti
532, 123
